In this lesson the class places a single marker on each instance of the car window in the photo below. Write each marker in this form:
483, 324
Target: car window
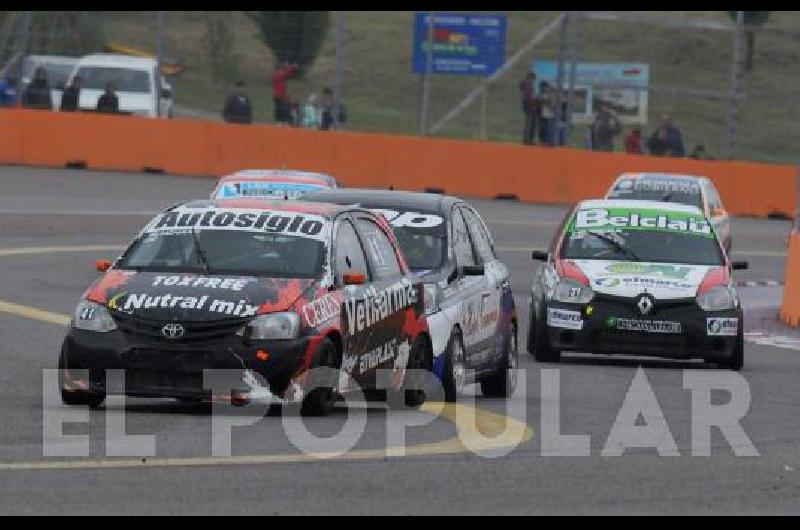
379, 248
462, 245
477, 231
714, 200
124, 79
349, 256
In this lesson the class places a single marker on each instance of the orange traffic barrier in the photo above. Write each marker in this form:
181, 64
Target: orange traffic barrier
790, 311
468, 168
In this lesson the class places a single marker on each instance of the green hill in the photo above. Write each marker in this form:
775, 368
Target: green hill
381, 93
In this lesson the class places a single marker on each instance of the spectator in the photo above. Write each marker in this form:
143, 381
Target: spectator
108, 102
658, 143
546, 113
280, 92
311, 113
295, 113
673, 140
37, 93
699, 153
238, 108
72, 95
605, 127
633, 142
530, 110
330, 119
8, 92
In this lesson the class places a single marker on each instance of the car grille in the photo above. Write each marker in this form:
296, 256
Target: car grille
194, 331
641, 344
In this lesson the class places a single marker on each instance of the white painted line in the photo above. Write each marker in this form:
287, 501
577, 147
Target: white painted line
116, 213
24, 251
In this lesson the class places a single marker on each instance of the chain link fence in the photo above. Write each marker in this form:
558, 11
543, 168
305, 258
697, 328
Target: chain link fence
696, 74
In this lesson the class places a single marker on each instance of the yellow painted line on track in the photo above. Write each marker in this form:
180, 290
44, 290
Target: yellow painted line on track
33, 313
24, 251
473, 425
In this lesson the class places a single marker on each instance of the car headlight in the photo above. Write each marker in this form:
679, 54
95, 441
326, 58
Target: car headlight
716, 299
272, 326
90, 316
433, 296
571, 292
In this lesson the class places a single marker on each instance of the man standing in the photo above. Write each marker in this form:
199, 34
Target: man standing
238, 108
633, 142
108, 103
72, 95
667, 137
605, 127
280, 92
530, 109
37, 94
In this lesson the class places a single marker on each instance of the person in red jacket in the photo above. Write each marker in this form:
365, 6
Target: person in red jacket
280, 92
633, 142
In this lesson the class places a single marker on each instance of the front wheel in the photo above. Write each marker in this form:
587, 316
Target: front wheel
320, 400
455, 368
542, 351
736, 361
418, 365
76, 397
503, 383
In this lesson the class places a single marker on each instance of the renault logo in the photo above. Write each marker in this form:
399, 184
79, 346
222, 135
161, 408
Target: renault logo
173, 331
645, 304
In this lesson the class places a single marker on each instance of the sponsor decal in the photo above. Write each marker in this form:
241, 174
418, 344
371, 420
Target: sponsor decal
304, 225
666, 185
267, 189
128, 303
321, 310
640, 219
410, 219
231, 284
722, 327
649, 283
561, 318
373, 358
378, 305
646, 326
675, 272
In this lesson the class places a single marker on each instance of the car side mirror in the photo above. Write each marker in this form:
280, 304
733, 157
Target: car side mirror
539, 255
741, 265
355, 279
473, 270
102, 265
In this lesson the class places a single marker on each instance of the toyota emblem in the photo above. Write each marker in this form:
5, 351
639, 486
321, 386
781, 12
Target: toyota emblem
645, 304
173, 331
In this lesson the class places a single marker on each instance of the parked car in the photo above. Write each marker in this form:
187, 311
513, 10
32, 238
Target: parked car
141, 90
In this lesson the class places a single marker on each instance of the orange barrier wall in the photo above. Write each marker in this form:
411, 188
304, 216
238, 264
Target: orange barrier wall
790, 312
471, 169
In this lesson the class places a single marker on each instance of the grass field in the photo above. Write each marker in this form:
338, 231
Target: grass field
381, 94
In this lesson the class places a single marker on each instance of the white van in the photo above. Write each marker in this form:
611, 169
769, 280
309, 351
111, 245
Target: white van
58, 69
135, 81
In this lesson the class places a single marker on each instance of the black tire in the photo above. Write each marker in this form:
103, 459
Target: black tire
418, 359
542, 351
450, 378
320, 401
736, 362
503, 383
76, 398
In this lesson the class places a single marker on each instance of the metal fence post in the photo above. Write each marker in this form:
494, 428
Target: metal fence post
159, 58
426, 80
736, 71
24, 43
575, 44
339, 66
562, 49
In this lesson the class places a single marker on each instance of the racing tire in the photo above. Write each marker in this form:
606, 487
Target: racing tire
736, 361
503, 383
418, 359
319, 402
542, 351
455, 368
76, 398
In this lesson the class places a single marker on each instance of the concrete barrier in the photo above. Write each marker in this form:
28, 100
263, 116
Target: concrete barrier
468, 168
790, 310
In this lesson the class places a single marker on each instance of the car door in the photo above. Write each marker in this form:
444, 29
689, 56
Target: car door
390, 295
467, 289
494, 284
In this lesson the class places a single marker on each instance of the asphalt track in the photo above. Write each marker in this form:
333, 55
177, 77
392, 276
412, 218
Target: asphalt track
55, 223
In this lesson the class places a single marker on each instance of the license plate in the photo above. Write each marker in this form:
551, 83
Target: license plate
646, 326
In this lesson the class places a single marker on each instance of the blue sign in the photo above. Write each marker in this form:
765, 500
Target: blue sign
462, 44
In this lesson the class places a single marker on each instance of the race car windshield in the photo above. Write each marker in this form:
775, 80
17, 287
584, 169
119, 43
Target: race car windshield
662, 191
227, 252
424, 248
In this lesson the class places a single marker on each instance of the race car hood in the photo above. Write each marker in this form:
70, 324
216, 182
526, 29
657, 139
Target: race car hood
194, 297
629, 279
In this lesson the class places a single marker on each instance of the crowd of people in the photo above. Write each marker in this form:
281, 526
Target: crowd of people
38, 95
319, 112
540, 116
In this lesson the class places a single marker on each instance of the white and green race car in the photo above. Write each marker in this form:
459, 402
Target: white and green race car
643, 278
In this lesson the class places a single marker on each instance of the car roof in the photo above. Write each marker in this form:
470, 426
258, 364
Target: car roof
402, 200
311, 208
662, 176
633, 204
279, 174
52, 59
117, 60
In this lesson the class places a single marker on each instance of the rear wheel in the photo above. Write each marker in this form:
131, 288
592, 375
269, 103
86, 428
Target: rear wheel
736, 361
542, 351
75, 397
455, 368
320, 400
503, 383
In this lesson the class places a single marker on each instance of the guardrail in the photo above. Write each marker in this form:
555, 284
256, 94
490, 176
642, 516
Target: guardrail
790, 310
467, 168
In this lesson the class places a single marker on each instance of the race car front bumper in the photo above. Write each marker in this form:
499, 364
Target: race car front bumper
182, 371
674, 329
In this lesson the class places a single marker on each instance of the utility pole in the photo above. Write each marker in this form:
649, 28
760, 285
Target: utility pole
426, 80
24, 43
573, 71
338, 66
159, 58
562, 49
736, 74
